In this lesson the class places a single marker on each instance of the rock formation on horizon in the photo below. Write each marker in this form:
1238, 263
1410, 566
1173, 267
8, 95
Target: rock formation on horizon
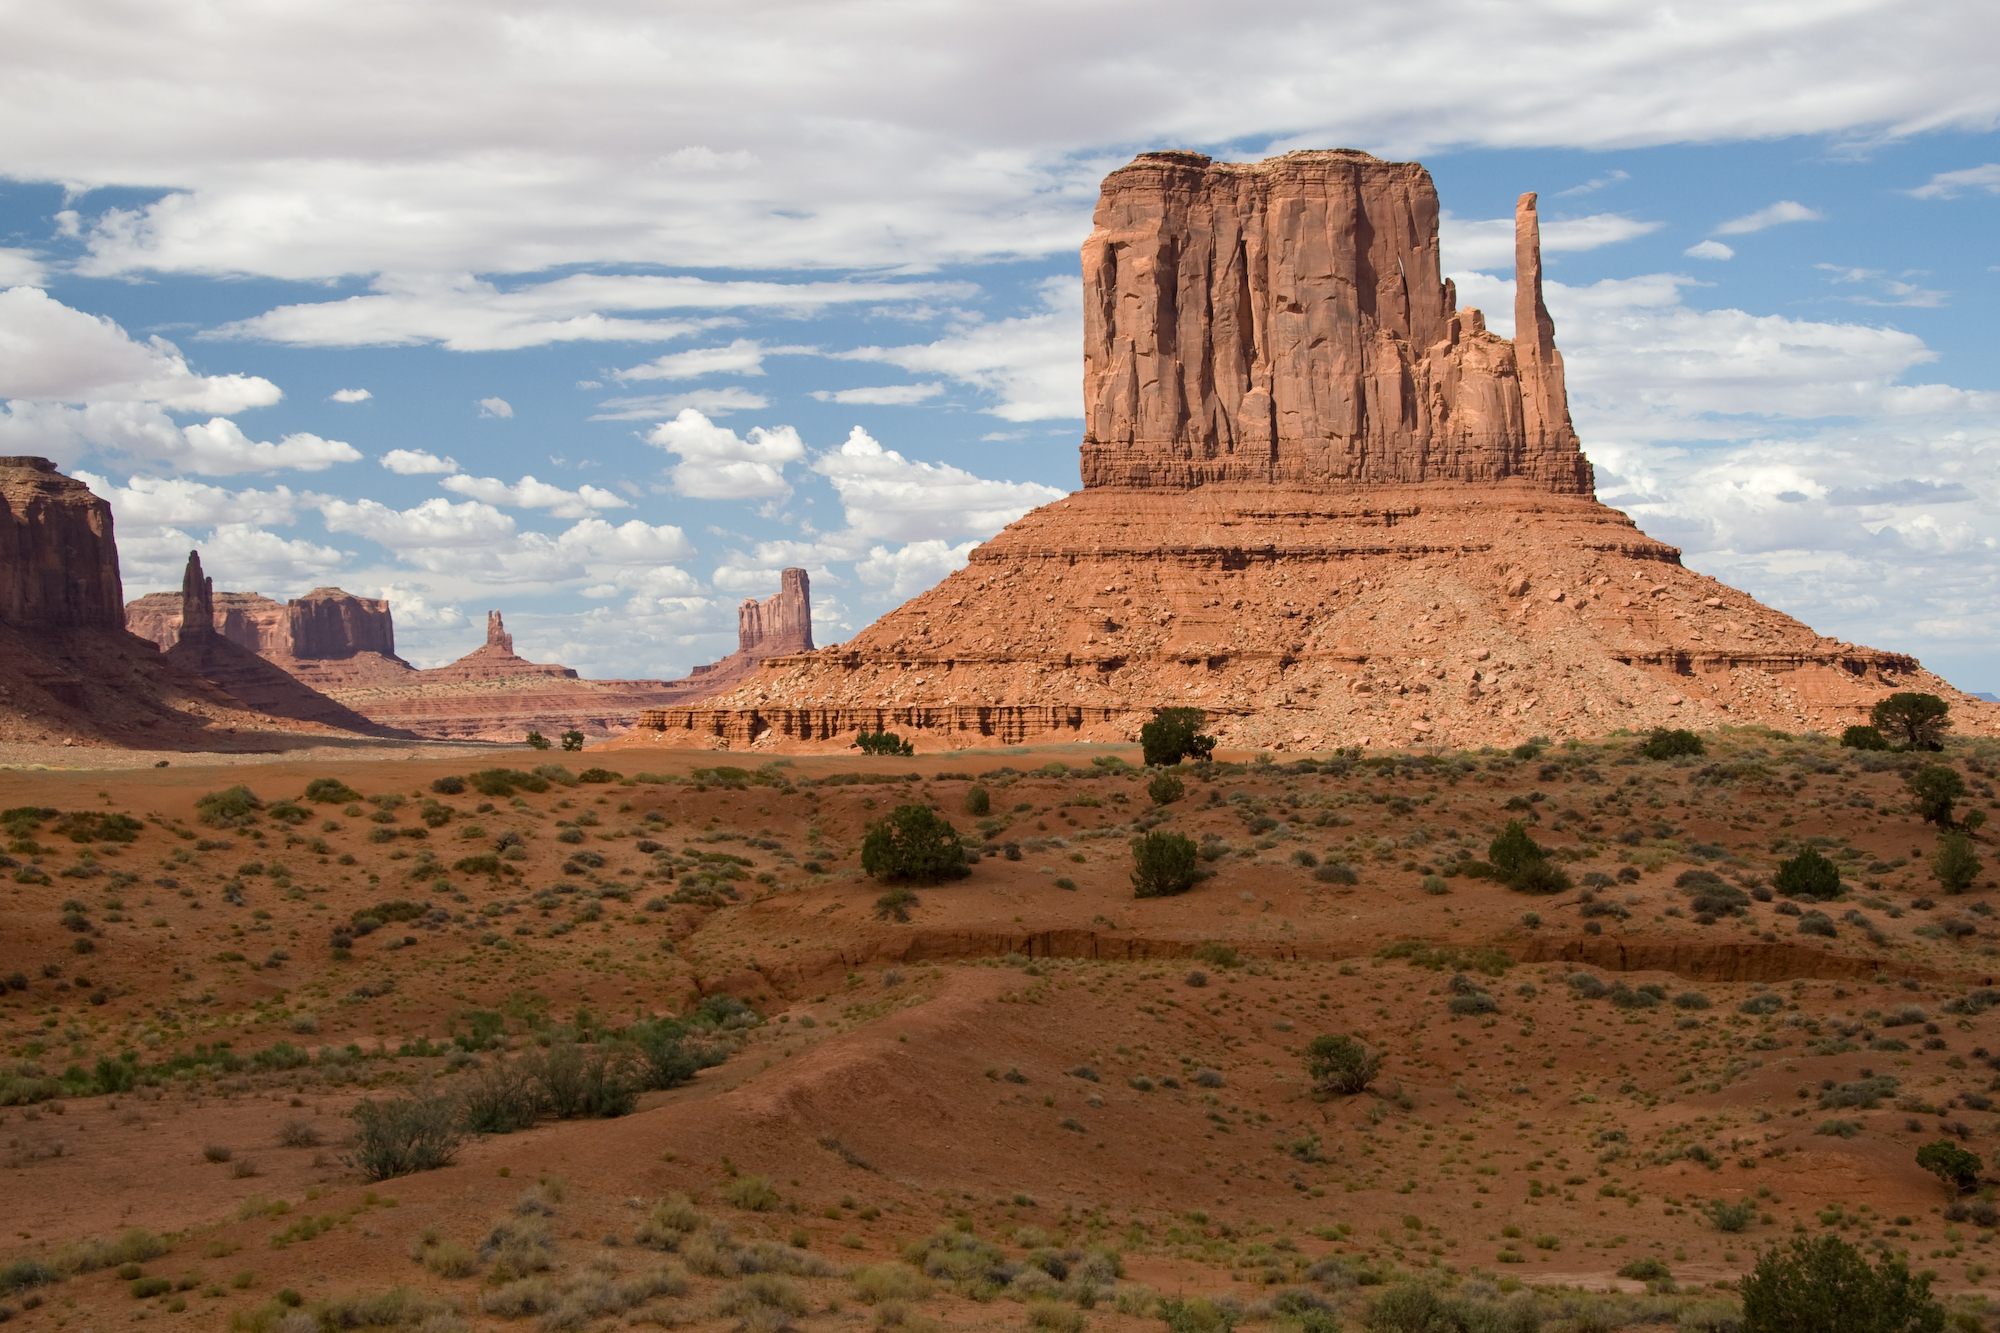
202, 650
328, 638
493, 693
69, 671
344, 647
1320, 502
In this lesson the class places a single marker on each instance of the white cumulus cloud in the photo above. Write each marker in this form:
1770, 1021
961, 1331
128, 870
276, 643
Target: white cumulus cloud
495, 407
50, 352
1785, 210
714, 402
349, 396
718, 464
528, 493
1028, 364
1951, 184
890, 497
745, 356
150, 504
883, 395
1489, 242
416, 462
1709, 250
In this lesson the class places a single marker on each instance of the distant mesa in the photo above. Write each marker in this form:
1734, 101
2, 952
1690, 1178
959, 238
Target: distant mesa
69, 671
207, 652
327, 638
345, 647
1322, 502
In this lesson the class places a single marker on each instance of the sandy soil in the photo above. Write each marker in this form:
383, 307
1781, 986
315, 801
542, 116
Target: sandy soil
1028, 1057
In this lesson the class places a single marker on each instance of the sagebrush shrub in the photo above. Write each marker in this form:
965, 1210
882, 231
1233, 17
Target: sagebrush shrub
914, 843
1164, 864
405, 1135
1339, 1063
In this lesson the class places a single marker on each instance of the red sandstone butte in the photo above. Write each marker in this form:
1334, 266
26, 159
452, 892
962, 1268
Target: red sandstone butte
493, 693
1320, 502
69, 671
328, 638
200, 649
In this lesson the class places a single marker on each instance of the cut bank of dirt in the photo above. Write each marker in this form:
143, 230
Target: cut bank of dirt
1026, 1057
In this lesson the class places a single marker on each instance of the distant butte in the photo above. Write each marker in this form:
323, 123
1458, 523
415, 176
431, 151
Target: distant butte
1320, 501
345, 647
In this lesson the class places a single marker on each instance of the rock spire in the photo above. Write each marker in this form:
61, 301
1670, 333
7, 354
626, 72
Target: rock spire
781, 623
197, 602
497, 636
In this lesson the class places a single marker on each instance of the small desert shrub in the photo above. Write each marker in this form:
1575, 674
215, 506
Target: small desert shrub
763, 1290
503, 1099
408, 1134
1807, 875
518, 1247
298, 1134
753, 1193
579, 1082
1647, 1268
1731, 1216
1862, 737
216, 1152
1338, 1063
1336, 872
672, 1220
25, 1274
232, 807
1164, 864
978, 801
889, 1282
1825, 1283
451, 1259
529, 1295
914, 843
1165, 789
1522, 864
1664, 744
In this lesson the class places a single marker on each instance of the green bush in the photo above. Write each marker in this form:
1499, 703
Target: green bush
1913, 721
1957, 1168
1731, 1216
914, 843
978, 801
22, 1274
1647, 1268
537, 741
501, 1100
1338, 1063
1807, 875
1663, 744
752, 1193
1934, 790
1173, 735
332, 791
600, 775
1164, 864
1863, 738
883, 742
408, 1134
572, 740
1954, 864
1522, 864
448, 786
503, 782
1165, 789
233, 807
1823, 1283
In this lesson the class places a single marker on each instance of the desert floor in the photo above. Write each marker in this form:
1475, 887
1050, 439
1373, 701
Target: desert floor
1059, 1100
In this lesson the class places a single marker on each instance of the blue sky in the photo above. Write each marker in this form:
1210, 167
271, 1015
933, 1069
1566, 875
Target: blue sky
648, 303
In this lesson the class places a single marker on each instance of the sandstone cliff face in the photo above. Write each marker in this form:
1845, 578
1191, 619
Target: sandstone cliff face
1321, 504
1285, 322
58, 558
325, 624
781, 623
201, 649
69, 672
